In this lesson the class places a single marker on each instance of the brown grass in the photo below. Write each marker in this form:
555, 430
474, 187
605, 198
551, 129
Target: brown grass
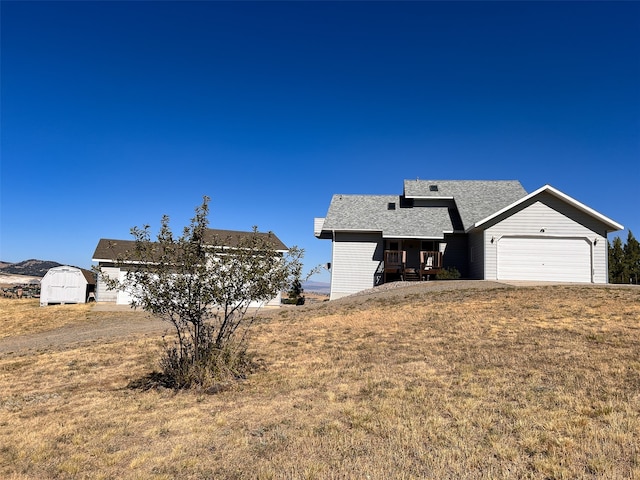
26, 316
509, 383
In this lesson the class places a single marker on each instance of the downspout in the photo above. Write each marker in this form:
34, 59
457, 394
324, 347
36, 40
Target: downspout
593, 258
333, 262
606, 258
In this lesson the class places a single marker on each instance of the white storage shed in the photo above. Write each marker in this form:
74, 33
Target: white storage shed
67, 284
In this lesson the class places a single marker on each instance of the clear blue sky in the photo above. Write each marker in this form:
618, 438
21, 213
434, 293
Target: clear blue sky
114, 113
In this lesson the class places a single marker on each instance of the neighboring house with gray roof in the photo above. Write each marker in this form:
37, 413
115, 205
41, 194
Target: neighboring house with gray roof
489, 230
112, 254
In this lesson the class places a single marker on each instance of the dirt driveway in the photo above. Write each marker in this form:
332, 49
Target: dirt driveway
108, 322
105, 324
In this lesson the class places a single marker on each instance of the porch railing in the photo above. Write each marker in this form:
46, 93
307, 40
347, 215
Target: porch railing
430, 263
394, 263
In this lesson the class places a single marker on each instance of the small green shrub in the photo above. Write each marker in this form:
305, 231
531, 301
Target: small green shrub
294, 301
449, 273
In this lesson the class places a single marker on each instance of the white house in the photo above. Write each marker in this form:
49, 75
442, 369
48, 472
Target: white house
110, 253
489, 230
65, 284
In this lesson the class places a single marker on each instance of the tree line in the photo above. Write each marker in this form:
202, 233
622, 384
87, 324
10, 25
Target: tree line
624, 260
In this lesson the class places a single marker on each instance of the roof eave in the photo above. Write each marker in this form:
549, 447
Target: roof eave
350, 230
415, 237
430, 197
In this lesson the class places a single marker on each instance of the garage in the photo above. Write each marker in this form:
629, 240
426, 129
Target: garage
544, 259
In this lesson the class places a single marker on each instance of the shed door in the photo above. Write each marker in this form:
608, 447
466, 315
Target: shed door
544, 258
64, 287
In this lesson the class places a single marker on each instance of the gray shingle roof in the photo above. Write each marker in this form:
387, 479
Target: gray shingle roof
371, 213
474, 200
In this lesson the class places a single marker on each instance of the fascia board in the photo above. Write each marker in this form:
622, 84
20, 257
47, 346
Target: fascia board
397, 236
412, 237
557, 193
122, 262
429, 197
115, 260
351, 230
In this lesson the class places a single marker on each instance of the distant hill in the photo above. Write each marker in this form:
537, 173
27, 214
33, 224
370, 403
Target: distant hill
317, 287
33, 267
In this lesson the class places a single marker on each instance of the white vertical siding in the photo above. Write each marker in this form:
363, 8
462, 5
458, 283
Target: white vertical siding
102, 294
355, 260
63, 285
122, 297
600, 260
547, 217
274, 302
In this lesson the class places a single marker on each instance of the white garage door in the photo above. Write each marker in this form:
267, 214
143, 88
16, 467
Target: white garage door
547, 259
124, 296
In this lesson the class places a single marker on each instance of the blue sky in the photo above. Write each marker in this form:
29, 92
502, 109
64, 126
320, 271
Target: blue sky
115, 113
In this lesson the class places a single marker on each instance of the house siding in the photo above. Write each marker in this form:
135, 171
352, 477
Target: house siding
102, 293
356, 257
121, 297
476, 255
456, 253
547, 216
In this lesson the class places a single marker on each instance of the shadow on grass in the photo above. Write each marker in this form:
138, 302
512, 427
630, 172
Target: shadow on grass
161, 381
153, 381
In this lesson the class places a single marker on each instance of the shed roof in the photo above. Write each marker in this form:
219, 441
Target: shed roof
88, 275
110, 249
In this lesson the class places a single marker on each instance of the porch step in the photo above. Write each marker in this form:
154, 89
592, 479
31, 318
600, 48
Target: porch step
411, 275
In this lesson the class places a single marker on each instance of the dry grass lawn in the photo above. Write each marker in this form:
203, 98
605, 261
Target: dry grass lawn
535, 382
26, 316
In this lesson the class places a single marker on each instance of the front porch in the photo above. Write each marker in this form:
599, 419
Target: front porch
409, 265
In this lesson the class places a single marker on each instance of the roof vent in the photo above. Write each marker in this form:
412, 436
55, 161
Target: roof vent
391, 206
433, 188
